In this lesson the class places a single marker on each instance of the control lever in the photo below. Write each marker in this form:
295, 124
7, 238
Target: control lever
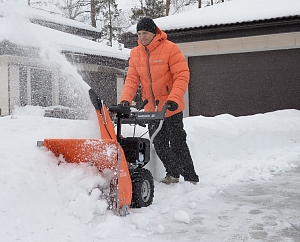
143, 104
156, 105
164, 110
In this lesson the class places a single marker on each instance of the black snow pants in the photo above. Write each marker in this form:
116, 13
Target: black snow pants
171, 147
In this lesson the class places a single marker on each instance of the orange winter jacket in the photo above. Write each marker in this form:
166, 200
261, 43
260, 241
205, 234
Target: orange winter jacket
162, 71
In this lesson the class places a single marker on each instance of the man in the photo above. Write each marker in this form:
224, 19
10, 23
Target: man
160, 68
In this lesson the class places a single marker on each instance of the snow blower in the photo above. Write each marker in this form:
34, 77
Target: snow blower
131, 185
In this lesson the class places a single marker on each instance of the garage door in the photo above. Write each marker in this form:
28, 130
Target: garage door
244, 83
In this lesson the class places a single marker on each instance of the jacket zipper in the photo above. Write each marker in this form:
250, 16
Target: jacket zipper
149, 72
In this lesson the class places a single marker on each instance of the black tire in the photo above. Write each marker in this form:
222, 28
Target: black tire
142, 188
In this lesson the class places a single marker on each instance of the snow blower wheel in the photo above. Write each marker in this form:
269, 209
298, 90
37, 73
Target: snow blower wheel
142, 188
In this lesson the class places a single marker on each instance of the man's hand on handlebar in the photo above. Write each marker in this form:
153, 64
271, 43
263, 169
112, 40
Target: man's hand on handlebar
125, 103
172, 106
122, 109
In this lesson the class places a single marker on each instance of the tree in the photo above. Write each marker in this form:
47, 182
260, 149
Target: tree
73, 9
168, 2
93, 13
152, 9
109, 13
179, 5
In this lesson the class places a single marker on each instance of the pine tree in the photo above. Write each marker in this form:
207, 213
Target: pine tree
109, 13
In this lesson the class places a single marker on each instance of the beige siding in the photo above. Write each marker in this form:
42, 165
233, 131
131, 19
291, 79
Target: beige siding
240, 45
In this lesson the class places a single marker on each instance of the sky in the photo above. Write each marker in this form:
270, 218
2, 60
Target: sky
45, 199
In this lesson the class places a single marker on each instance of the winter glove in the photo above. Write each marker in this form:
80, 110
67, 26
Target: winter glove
172, 106
122, 109
125, 103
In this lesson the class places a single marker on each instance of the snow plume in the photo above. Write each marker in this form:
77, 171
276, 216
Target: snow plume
15, 22
16, 27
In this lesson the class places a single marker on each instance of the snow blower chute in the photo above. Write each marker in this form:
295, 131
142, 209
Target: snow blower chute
132, 185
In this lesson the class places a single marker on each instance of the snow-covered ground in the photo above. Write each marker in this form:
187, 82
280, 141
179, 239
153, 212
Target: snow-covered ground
43, 201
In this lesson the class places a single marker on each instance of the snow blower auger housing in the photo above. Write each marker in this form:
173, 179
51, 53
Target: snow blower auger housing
131, 185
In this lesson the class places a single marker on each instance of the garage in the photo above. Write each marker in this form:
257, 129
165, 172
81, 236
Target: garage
243, 66
244, 83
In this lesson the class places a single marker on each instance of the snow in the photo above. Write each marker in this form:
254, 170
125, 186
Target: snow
45, 199
233, 11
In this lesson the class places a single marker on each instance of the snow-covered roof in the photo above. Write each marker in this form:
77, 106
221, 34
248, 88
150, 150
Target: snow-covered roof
234, 11
54, 18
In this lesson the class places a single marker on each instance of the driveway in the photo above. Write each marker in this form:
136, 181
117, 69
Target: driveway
259, 210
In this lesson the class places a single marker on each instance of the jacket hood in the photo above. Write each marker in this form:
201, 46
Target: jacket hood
160, 36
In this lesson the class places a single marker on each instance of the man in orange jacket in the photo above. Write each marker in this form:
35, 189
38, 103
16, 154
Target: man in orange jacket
158, 65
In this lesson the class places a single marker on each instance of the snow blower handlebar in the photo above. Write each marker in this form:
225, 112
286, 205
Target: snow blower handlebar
137, 117
125, 116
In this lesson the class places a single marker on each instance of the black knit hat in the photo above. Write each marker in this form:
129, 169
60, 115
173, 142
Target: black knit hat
146, 24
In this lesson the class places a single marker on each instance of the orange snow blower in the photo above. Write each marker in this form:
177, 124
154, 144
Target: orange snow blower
131, 184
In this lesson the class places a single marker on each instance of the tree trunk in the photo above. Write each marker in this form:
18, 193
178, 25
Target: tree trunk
199, 3
211, 2
93, 14
110, 24
28, 2
167, 7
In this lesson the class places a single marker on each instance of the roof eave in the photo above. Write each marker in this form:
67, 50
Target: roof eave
225, 31
69, 29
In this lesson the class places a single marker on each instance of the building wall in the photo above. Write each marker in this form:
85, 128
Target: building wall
206, 58
242, 44
105, 81
3, 87
13, 85
120, 85
26, 81
16, 83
